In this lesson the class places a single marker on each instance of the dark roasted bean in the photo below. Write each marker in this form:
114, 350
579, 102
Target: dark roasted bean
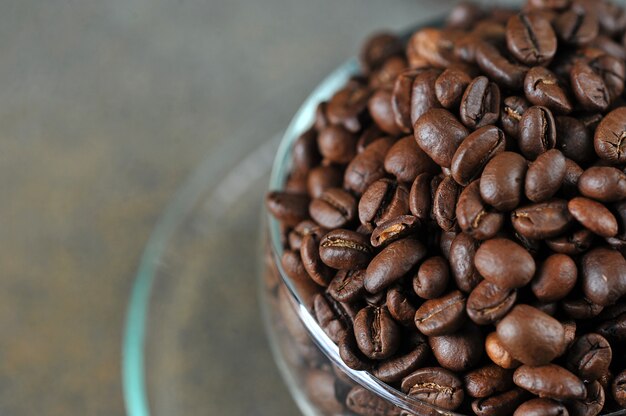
499, 404
610, 137
395, 369
603, 276
589, 87
498, 354
530, 38
439, 134
380, 108
589, 357
504, 263
441, 316
394, 229
488, 303
405, 160
555, 278
541, 87
376, 333
436, 386
594, 216
480, 104
543, 220
545, 176
574, 139
580, 308
334, 208
382, 201
487, 381
592, 404
392, 263
444, 203
311, 261
502, 181
537, 132
401, 99
367, 167
541, 407
348, 107
577, 27
399, 305
423, 93
496, 65
462, 253
450, 86
474, 153
322, 178
573, 243
288, 208
460, 351
603, 183
550, 381
347, 285
420, 197
345, 249
432, 278
474, 216
512, 110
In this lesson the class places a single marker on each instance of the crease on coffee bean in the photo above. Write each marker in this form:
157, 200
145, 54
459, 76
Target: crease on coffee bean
512, 113
340, 242
531, 36
335, 204
376, 330
391, 232
441, 308
438, 389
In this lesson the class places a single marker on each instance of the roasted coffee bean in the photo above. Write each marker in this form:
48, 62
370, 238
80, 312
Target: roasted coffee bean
502, 181
574, 139
603, 276
322, 178
405, 160
537, 132
504, 263
395, 369
577, 27
376, 333
392, 263
531, 39
348, 107
305, 153
441, 316
385, 76
420, 196
480, 104
351, 354
401, 99
367, 167
569, 187
345, 249
580, 308
488, 303
531, 336
487, 381
444, 203
439, 134
609, 140
613, 71
545, 176
335, 208
498, 354
450, 86
312, 262
542, 220
332, 316
474, 216
303, 228
296, 184
381, 110
474, 153
573, 243
321, 119
436, 386
462, 253
320, 387
589, 357
618, 389
550, 381
555, 278
593, 216
541, 407
306, 287
512, 110
337, 144
288, 208
423, 93
541, 87
460, 351
378, 48
432, 278
365, 403
395, 229
589, 87
382, 201
499, 404
498, 67
347, 285
399, 305
433, 45
592, 404
603, 183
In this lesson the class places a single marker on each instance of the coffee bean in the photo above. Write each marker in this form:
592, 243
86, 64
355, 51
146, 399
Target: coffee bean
405, 160
502, 181
580, 308
348, 107
321, 178
459, 351
603, 183
312, 262
589, 87
612, 70
531, 336
549, 381
589, 357
572, 243
363, 402
498, 354
334, 317
335, 208
512, 110
432, 278
609, 137
320, 386
545, 176
542, 88
384, 77
399, 305
474, 216
305, 153
345, 249
462, 253
401, 99
555, 278
504, 263
381, 110
537, 132
351, 354
347, 285
618, 389
441, 316
480, 104
530, 39
450, 86
395, 369
439, 134
431, 45
488, 303
498, 67
382, 201
603, 276
420, 196
395, 229
367, 167
574, 139
436, 386
376, 333
337, 144
474, 153
288, 208
542, 220
423, 93
541, 407
593, 216
306, 287
392, 263
487, 381
499, 404
444, 203
378, 48
592, 404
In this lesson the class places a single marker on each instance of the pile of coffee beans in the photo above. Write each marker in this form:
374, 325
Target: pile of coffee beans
456, 217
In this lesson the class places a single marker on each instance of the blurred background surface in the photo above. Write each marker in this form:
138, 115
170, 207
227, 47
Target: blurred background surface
105, 108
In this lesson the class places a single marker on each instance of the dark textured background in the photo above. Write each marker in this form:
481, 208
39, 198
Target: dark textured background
105, 108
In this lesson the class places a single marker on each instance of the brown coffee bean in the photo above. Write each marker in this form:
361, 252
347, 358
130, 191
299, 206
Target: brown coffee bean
399, 305
474, 216
378, 48
288, 208
382, 201
593, 216
439, 134
474, 153
462, 253
589, 87
512, 110
320, 387
347, 285
306, 287
589, 357
335, 318
401, 99
392, 263
555, 278
435, 386
423, 93
577, 27
542, 88
545, 176
603, 183
305, 153
348, 107
432, 45
460, 351
537, 132
531, 336
386, 75
444, 203
504, 263
592, 404
363, 402
381, 110
498, 67
450, 86
499, 404
530, 38
618, 389
574, 139
550, 381
480, 104
441, 316
541, 407
502, 181
367, 167
395, 229
420, 197
612, 70
321, 178
542, 220
432, 278
572, 243
395, 369
487, 381
498, 354
345, 249
337, 144
376, 333
334, 208
603, 276
609, 140
488, 303
312, 262
405, 160
580, 308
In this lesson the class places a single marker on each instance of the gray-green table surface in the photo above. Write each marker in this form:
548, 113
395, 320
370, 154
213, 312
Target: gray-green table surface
105, 108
